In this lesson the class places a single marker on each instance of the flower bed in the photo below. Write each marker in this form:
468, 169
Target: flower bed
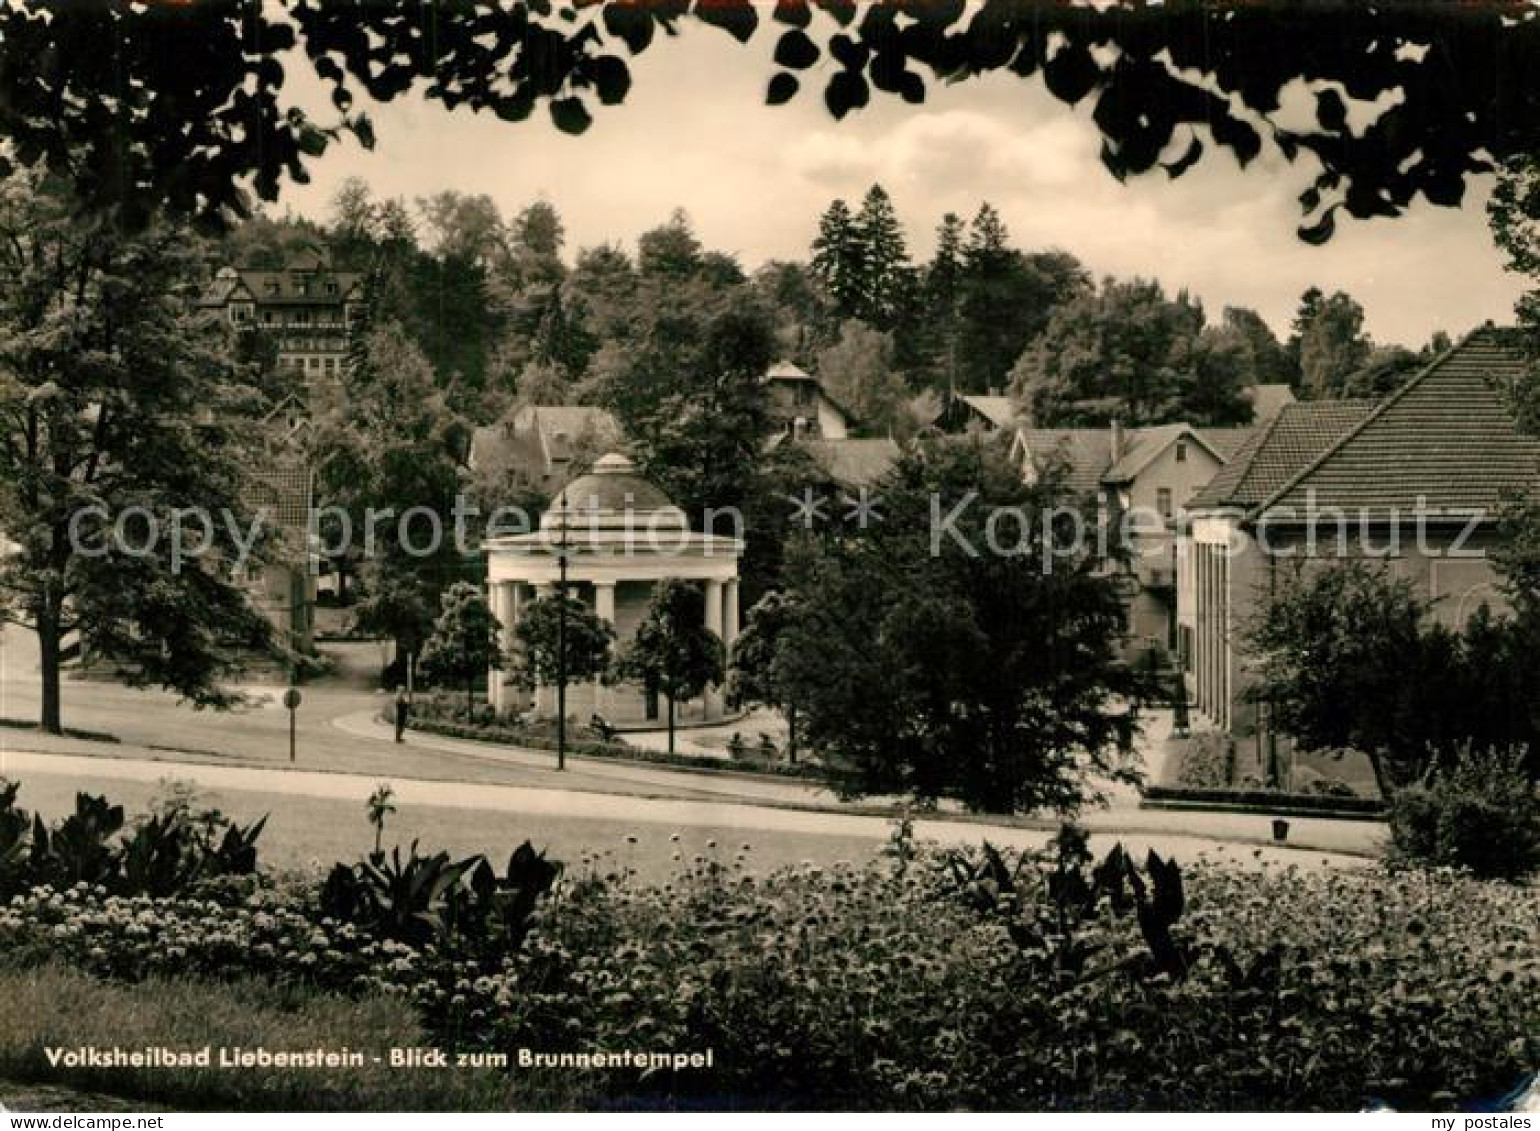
1271, 802
858, 987
932, 979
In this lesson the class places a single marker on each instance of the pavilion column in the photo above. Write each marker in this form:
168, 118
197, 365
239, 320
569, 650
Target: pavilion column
503, 609
730, 615
713, 696
545, 693
604, 609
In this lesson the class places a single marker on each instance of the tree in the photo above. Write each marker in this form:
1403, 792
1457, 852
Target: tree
858, 372
1336, 650
1384, 371
1129, 353
837, 260
539, 637
670, 252
673, 652
464, 642
1267, 362
124, 429
390, 460
884, 272
462, 226
1006, 300
963, 647
691, 398
761, 664
941, 292
192, 109
1332, 345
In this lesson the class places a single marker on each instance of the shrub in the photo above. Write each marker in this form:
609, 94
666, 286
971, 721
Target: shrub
1205, 761
52, 1006
1475, 811
167, 852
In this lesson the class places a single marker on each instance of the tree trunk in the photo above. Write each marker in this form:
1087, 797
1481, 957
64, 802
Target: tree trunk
470, 698
670, 699
48, 662
791, 735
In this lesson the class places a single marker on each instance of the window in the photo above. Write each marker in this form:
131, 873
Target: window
269, 317
1163, 501
331, 288
1181, 451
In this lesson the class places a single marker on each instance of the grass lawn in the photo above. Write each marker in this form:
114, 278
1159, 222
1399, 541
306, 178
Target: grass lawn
309, 832
53, 1006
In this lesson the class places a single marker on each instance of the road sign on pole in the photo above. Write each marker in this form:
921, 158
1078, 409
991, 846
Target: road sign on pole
292, 699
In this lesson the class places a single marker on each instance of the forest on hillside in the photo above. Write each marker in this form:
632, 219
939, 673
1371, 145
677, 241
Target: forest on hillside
502, 311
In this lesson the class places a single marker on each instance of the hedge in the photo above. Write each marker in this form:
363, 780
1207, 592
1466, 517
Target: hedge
1270, 802
614, 751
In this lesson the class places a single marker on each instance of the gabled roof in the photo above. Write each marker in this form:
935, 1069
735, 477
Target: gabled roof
1277, 449
854, 462
1086, 453
1445, 442
1142, 445
999, 411
535, 438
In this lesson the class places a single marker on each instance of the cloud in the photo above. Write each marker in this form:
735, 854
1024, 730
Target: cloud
695, 133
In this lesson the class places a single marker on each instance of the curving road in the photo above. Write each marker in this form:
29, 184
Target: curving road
475, 796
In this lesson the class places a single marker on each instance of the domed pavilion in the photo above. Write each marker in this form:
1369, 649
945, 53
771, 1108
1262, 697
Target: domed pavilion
621, 535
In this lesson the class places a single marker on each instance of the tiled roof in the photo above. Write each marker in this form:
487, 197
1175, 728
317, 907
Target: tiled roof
280, 493
533, 438
1225, 442
1277, 450
1446, 441
282, 286
1085, 452
854, 463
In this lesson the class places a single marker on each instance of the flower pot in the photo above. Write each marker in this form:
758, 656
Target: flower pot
1280, 829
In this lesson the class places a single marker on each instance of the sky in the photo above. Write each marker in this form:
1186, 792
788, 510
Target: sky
694, 133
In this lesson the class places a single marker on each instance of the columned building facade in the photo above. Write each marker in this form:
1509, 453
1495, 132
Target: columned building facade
620, 536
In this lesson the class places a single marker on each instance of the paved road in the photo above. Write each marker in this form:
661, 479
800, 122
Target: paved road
337, 733
318, 816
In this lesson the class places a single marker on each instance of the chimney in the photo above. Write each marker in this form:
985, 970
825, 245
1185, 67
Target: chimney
1117, 440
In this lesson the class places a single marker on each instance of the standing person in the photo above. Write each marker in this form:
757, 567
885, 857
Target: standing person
403, 709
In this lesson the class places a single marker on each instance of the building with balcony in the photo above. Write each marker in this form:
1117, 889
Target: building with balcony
305, 309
